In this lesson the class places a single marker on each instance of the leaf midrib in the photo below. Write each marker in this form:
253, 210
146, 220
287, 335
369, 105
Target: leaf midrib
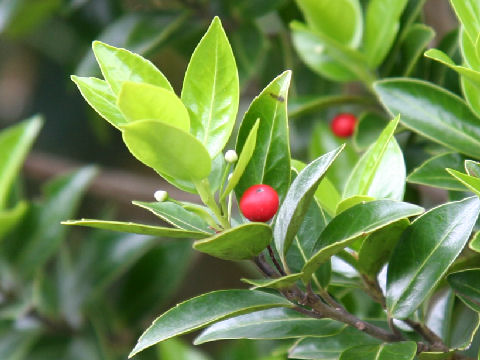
210, 113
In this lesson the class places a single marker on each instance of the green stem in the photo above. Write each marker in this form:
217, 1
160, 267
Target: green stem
203, 188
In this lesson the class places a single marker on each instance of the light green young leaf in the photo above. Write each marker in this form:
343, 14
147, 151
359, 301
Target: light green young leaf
425, 252
404, 350
469, 51
167, 149
475, 243
468, 12
413, 44
176, 215
293, 209
11, 217
139, 101
119, 65
211, 89
270, 162
279, 323
101, 98
352, 201
198, 312
359, 220
176, 349
135, 228
381, 27
433, 172
243, 159
15, 142
243, 242
380, 172
432, 112
471, 182
324, 16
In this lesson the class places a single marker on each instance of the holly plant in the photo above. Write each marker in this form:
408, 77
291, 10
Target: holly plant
315, 249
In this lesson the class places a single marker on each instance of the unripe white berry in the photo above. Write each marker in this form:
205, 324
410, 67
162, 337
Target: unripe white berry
231, 156
160, 195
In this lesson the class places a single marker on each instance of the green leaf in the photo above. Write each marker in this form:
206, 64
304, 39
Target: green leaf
405, 350
45, 233
277, 283
16, 142
369, 127
239, 243
101, 98
433, 172
472, 183
144, 101
176, 215
243, 159
352, 201
414, 42
475, 243
438, 316
198, 312
360, 220
11, 217
16, 343
176, 349
425, 252
167, 149
467, 286
210, 89
471, 92
325, 54
293, 209
277, 323
135, 228
330, 347
472, 168
381, 27
468, 12
270, 162
464, 326
380, 172
469, 52
119, 65
323, 140
378, 247
432, 112
324, 16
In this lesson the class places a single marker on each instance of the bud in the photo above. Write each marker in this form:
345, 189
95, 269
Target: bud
231, 156
160, 195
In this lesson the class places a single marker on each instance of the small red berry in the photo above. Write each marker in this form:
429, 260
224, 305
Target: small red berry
259, 203
343, 124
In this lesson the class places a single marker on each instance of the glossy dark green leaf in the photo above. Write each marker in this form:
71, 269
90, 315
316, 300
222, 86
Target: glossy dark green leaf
425, 252
239, 243
101, 98
270, 162
277, 323
15, 142
433, 172
467, 285
414, 42
11, 217
135, 228
211, 89
377, 248
330, 347
369, 127
438, 316
119, 65
380, 172
381, 26
324, 16
468, 12
323, 140
328, 57
432, 112
167, 149
464, 326
139, 101
404, 350
277, 283
471, 182
294, 207
176, 215
62, 198
243, 159
198, 312
472, 168
359, 220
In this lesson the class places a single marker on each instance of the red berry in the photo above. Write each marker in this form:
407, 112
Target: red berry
259, 203
343, 124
